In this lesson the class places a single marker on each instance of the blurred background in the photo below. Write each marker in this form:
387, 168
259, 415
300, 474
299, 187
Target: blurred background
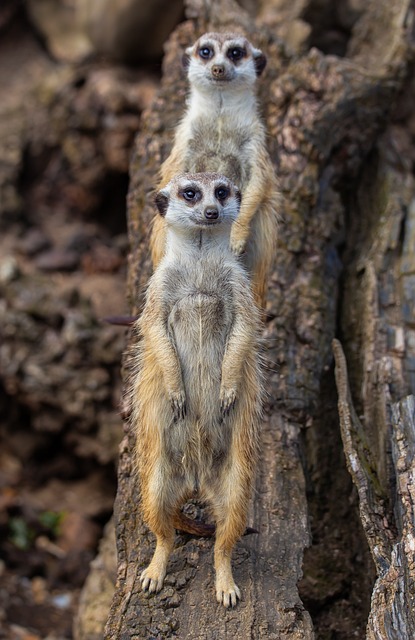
75, 76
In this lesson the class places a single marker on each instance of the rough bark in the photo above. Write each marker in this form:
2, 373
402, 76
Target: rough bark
323, 115
392, 542
376, 414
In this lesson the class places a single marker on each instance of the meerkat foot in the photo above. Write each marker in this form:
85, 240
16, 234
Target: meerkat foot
227, 593
152, 578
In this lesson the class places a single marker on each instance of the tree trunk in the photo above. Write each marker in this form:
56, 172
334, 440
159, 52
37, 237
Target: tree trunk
324, 115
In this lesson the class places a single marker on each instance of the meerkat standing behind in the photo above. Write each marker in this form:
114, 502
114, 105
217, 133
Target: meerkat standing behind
197, 394
221, 131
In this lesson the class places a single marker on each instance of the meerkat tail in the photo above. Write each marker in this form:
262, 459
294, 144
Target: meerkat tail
196, 527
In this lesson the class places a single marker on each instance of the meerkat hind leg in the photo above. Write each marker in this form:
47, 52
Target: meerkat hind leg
158, 506
229, 508
227, 592
152, 577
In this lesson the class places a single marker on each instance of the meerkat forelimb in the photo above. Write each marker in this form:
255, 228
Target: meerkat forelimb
197, 393
221, 131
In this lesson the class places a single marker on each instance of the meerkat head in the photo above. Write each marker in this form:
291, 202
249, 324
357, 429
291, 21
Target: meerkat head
224, 61
198, 200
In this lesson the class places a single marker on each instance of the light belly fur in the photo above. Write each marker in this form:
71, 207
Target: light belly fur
199, 327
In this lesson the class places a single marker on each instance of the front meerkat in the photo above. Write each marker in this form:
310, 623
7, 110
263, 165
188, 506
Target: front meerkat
221, 131
197, 393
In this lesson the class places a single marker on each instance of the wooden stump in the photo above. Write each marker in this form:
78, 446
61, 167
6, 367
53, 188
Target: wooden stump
324, 115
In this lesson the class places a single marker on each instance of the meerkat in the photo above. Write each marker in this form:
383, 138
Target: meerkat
197, 393
221, 131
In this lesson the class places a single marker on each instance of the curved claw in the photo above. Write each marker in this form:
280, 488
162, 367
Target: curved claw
227, 402
178, 405
238, 248
239, 238
149, 583
228, 597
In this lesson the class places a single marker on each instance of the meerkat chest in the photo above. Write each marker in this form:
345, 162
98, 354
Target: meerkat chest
201, 309
199, 320
220, 145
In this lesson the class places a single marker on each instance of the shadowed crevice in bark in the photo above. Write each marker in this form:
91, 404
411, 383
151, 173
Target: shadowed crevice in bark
331, 24
338, 569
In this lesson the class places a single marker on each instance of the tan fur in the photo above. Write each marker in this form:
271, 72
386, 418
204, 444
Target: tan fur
197, 390
221, 131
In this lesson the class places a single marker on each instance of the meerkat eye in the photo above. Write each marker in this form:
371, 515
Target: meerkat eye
205, 52
236, 53
221, 193
189, 194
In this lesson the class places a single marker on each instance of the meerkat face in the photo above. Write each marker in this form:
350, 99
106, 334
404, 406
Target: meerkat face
199, 200
224, 61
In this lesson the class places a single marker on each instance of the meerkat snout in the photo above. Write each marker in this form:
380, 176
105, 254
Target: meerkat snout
211, 213
218, 70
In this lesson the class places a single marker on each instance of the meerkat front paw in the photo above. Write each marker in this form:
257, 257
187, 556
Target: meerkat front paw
227, 401
178, 405
239, 238
238, 246
227, 593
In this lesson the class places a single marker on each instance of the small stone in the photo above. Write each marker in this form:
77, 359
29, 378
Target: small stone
34, 242
8, 270
180, 582
57, 260
174, 600
62, 600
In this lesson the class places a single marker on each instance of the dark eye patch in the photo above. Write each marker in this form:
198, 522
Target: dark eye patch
221, 193
205, 52
236, 53
190, 194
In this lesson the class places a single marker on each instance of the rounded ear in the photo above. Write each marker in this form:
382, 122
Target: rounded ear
186, 57
185, 60
162, 202
260, 61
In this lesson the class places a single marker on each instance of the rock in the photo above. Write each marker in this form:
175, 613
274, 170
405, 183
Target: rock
56, 20
33, 242
98, 590
129, 31
77, 533
58, 260
9, 269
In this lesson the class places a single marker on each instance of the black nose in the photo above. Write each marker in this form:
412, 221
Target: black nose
211, 213
218, 70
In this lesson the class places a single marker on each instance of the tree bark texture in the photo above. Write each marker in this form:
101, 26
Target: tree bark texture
378, 334
324, 115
